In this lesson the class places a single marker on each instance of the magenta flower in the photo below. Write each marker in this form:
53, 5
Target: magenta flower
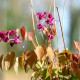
12, 32
41, 15
3, 36
15, 41
49, 15
40, 26
50, 21
50, 37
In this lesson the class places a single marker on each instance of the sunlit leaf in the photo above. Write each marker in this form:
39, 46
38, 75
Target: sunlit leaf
77, 46
1, 58
10, 59
16, 66
50, 53
40, 52
21, 61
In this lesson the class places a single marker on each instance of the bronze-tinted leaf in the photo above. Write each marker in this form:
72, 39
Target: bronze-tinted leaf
77, 46
40, 52
1, 58
23, 33
74, 68
30, 58
50, 53
10, 59
21, 61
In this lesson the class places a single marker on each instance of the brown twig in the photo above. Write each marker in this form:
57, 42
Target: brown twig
63, 19
61, 29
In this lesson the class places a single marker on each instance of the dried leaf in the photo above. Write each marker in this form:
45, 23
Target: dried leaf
10, 59
50, 53
31, 35
75, 57
30, 58
77, 46
23, 33
1, 58
7, 65
40, 52
16, 66
21, 61
74, 68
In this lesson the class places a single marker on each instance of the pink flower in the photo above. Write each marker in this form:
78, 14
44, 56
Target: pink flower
3, 36
41, 15
12, 32
50, 21
50, 37
40, 26
49, 15
15, 40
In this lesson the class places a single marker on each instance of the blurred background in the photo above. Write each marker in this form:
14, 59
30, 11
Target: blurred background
16, 13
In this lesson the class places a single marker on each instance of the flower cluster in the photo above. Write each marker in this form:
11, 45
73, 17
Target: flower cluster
45, 23
10, 36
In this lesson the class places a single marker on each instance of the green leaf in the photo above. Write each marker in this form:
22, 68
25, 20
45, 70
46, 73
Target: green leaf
44, 73
47, 74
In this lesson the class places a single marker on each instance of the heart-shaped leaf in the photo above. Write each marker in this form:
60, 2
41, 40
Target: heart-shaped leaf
30, 58
10, 59
40, 52
50, 53
1, 58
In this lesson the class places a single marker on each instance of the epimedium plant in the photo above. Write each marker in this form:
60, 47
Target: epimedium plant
46, 62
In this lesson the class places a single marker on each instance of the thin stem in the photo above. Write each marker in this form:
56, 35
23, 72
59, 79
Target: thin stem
22, 47
61, 29
33, 20
55, 24
63, 18
50, 6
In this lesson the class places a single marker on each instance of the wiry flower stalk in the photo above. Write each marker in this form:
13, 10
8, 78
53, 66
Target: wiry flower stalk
55, 24
50, 6
33, 20
63, 19
61, 29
